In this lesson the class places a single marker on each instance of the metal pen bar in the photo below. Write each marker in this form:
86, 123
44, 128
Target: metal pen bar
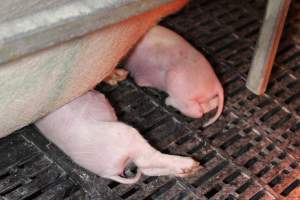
267, 45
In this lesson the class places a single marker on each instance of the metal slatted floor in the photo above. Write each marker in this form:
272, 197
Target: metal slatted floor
251, 152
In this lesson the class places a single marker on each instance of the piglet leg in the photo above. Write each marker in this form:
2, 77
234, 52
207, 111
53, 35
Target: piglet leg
88, 131
165, 61
159, 164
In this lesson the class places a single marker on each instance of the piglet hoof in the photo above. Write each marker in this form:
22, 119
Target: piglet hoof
163, 164
190, 170
116, 76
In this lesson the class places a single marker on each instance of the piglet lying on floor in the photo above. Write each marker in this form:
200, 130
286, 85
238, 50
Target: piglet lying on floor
87, 128
88, 131
164, 60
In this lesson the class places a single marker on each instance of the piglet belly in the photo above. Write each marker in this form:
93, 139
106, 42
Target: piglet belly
40, 83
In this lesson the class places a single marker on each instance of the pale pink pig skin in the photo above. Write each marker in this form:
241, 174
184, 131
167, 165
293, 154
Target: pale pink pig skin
87, 130
35, 85
164, 60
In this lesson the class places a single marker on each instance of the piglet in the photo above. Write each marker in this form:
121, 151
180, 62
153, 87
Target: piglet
88, 131
164, 60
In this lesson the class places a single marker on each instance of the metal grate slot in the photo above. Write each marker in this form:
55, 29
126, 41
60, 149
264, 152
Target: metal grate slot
26, 173
290, 188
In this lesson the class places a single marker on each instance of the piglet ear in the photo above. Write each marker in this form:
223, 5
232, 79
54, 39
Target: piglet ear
123, 180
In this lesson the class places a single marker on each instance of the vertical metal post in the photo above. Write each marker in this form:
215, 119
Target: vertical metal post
267, 45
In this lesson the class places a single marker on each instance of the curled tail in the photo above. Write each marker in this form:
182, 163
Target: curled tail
127, 180
220, 109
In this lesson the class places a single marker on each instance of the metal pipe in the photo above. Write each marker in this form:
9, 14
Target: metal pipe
267, 45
